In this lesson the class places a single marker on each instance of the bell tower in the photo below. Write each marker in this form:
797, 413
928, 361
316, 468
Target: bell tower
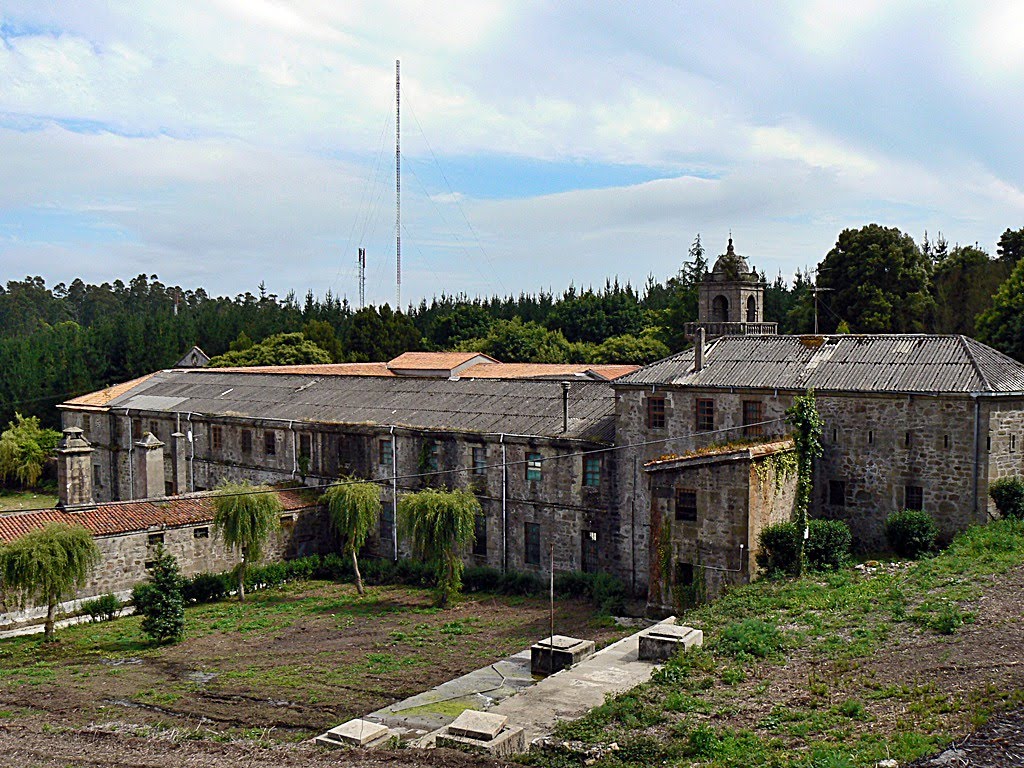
731, 300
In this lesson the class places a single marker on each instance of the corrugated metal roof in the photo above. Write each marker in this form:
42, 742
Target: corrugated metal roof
129, 516
517, 406
545, 370
851, 363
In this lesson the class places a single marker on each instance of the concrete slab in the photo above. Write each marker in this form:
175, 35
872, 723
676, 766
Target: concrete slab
509, 741
663, 641
558, 652
355, 733
482, 726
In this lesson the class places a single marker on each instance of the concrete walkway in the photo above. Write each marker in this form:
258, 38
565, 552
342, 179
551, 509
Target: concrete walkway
507, 688
37, 629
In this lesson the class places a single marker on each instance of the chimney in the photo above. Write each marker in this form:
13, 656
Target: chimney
565, 406
698, 351
179, 467
149, 468
74, 469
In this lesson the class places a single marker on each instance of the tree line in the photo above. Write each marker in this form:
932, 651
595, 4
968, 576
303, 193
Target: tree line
59, 341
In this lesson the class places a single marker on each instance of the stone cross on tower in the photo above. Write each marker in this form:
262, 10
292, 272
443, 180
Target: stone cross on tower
731, 300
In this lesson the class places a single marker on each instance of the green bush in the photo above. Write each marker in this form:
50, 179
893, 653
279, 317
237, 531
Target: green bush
828, 544
481, 578
1008, 495
751, 637
779, 549
163, 608
103, 608
207, 587
911, 533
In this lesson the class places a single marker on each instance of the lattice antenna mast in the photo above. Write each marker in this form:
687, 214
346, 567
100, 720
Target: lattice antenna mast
398, 186
362, 278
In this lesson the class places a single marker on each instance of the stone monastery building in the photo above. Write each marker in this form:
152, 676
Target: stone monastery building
663, 475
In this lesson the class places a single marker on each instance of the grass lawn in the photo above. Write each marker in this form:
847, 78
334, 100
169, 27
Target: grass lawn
13, 501
286, 664
835, 670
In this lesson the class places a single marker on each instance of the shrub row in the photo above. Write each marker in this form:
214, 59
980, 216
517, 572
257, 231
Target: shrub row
1008, 495
606, 592
911, 533
827, 547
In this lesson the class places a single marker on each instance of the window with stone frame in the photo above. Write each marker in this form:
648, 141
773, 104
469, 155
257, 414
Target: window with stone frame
480, 535
588, 552
531, 543
201, 533
592, 471
684, 574
1013, 443
431, 456
86, 422
534, 467
385, 456
686, 504
155, 539
270, 442
753, 415
705, 412
305, 446
154, 428
246, 441
136, 429
216, 437
837, 493
386, 525
913, 497
479, 458
97, 476
656, 412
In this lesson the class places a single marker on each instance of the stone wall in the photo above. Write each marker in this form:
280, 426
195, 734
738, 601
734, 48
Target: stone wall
1002, 438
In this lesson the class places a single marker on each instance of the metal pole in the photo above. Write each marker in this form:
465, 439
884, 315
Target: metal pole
398, 187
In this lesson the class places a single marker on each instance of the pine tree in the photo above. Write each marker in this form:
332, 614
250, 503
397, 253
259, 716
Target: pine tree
163, 605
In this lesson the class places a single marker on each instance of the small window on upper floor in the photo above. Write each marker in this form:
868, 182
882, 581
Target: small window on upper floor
246, 441
753, 415
384, 455
913, 497
534, 466
705, 412
155, 539
154, 427
591, 471
216, 437
136, 429
837, 493
656, 412
686, 504
97, 476
201, 533
479, 457
305, 446
86, 422
270, 442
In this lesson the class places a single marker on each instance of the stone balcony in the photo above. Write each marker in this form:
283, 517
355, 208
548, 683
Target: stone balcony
716, 329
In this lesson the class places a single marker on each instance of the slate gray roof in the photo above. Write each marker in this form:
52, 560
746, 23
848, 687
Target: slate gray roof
845, 363
522, 406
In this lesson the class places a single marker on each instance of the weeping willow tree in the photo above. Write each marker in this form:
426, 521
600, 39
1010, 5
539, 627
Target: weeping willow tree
244, 516
354, 508
440, 525
48, 565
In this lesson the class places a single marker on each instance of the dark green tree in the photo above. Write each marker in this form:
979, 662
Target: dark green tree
279, 349
162, 603
963, 285
1010, 247
1002, 324
24, 448
513, 341
878, 282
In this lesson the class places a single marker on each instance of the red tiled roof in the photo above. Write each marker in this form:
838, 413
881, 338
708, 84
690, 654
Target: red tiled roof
538, 370
128, 516
434, 361
323, 369
104, 396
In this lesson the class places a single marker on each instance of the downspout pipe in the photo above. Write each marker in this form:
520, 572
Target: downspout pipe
504, 506
977, 456
394, 493
192, 454
131, 457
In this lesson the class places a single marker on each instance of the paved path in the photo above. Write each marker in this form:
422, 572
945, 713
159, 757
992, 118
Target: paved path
37, 629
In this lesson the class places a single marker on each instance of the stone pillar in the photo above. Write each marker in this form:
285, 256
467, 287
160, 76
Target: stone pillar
74, 469
179, 462
149, 467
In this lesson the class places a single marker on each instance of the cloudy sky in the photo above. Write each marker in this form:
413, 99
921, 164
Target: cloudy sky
225, 142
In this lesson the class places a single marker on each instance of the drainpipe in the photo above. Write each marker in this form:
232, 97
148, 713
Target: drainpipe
131, 457
698, 351
504, 510
565, 407
295, 453
977, 454
394, 492
192, 454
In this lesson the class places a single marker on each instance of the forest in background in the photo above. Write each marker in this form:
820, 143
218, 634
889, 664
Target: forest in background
60, 341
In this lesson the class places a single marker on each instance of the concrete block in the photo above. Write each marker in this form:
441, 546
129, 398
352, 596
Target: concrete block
355, 733
508, 741
482, 726
559, 652
663, 641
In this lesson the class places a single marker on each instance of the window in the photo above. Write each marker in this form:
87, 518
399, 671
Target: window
201, 533
155, 539
705, 414
531, 540
154, 428
387, 529
149, 564
479, 461
429, 457
136, 430
835, 435
384, 455
871, 437
480, 535
686, 504
97, 476
1013, 443
270, 442
86, 422
246, 441
913, 497
988, 443
837, 493
588, 552
168, 488
945, 441
533, 467
684, 574
287, 520
306, 446
906, 439
216, 438
656, 412
591, 471
752, 418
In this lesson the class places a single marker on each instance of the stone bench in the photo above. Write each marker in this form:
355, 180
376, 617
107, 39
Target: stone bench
663, 641
559, 652
483, 733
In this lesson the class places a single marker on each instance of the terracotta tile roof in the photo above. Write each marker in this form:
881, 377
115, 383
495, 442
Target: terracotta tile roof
104, 396
752, 451
329, 369
544, 370
129, 516
432, 361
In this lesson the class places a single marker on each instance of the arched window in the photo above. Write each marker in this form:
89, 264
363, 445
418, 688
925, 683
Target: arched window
751, 310
720, 309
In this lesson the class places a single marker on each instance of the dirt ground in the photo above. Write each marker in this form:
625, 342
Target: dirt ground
284, 679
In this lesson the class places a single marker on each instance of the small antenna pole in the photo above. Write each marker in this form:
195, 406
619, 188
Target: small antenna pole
398, 187
362, 278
